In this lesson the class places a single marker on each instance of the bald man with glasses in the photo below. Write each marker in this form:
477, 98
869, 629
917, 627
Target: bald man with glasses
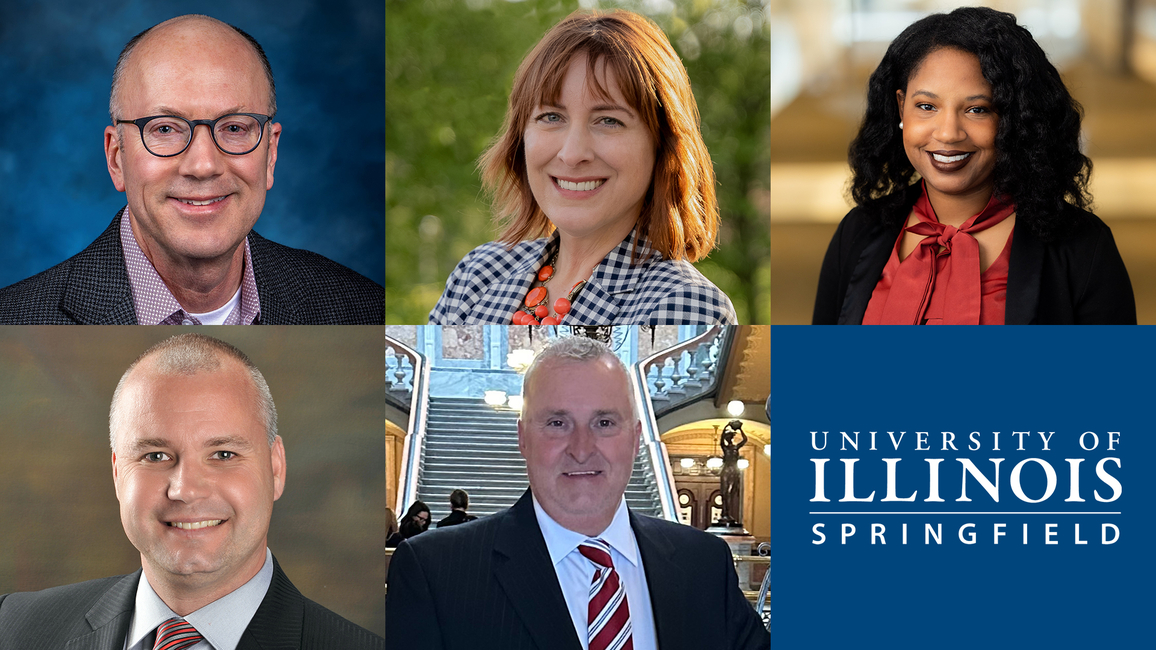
183, 251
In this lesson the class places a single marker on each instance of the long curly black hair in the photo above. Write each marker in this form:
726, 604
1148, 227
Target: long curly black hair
1038, 160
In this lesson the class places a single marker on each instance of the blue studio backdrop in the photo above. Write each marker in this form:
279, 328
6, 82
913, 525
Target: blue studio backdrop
57, 58
963, 487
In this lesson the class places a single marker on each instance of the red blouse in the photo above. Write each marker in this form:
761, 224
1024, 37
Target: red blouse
993, 290
940, 282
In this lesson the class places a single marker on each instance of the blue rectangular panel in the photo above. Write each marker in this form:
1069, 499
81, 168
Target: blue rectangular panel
965, 578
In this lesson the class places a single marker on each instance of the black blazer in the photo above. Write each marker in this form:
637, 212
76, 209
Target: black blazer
490, 584
455, 517
91, 288
95, 615
1078, 279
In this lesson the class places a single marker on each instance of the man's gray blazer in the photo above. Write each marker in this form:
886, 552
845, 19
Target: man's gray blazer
95, 615
296, 287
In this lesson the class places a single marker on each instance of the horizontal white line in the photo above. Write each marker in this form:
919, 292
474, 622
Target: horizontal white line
964, 513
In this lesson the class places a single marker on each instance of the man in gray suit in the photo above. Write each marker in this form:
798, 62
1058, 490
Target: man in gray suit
197, 464
569, 566
183, 250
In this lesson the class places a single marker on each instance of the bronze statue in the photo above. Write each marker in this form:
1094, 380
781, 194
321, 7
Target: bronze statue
729, 477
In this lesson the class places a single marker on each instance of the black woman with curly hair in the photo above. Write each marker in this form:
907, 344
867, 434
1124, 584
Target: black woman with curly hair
971, 190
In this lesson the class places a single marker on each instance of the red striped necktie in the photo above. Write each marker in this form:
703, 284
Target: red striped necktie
608, 613
176, 634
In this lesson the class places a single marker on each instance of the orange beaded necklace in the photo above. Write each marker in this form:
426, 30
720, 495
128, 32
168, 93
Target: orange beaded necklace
534, 307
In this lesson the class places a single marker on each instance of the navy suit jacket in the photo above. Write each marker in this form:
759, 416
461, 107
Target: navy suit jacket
296, 287
95, 615
490, 584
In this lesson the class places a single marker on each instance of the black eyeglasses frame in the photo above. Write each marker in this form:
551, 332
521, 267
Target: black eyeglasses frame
140, 123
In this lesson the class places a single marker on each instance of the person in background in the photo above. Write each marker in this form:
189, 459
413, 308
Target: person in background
459, 501
415, 522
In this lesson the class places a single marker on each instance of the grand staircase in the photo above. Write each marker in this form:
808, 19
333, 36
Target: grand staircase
473, 446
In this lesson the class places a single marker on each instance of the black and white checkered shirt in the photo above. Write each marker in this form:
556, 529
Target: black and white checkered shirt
491, 282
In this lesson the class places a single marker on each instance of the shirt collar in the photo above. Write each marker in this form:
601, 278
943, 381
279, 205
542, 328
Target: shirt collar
615, 273
561, 541
156, 305
221, 622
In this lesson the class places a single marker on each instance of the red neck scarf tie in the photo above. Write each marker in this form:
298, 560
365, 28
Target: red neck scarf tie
608, 613
916, 278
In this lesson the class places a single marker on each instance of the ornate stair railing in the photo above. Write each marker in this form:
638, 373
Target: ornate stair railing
417, 389
655, 449
763, 604
646, 373
401, 366
686, 372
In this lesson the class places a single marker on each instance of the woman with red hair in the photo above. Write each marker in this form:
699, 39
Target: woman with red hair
602, 188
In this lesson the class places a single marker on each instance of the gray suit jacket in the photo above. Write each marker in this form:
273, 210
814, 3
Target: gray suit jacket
296, 287
490, 584
95, 615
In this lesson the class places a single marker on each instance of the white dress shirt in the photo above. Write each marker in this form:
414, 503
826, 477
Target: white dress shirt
575, 573
221, 622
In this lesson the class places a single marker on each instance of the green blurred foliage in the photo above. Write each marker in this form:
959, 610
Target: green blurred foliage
449, 67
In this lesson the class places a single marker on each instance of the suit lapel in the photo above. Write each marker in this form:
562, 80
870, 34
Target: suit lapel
1025, 269
868, 270
98, 291
277, 623
613, 282
595, 305
278, 293
506, 294
109, 617
275, 626
664, 581
506, 297
523, 569
869, 267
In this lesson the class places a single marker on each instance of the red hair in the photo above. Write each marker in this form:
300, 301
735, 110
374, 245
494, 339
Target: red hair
679, 213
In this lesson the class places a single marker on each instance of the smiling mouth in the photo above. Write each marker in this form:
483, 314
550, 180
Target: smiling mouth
589, 473
584, 186
949, 159
206, 202
195, 525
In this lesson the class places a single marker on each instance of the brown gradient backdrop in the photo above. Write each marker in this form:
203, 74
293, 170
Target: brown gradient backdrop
61, 521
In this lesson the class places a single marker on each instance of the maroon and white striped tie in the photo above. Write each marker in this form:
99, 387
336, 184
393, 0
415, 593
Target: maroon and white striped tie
176, 634
608, 613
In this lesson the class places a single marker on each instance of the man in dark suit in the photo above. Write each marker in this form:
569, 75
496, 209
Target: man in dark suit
183, 251
459, 501
569, 567
197, 464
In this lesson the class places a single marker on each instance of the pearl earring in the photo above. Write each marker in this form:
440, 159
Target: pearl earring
900, 125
